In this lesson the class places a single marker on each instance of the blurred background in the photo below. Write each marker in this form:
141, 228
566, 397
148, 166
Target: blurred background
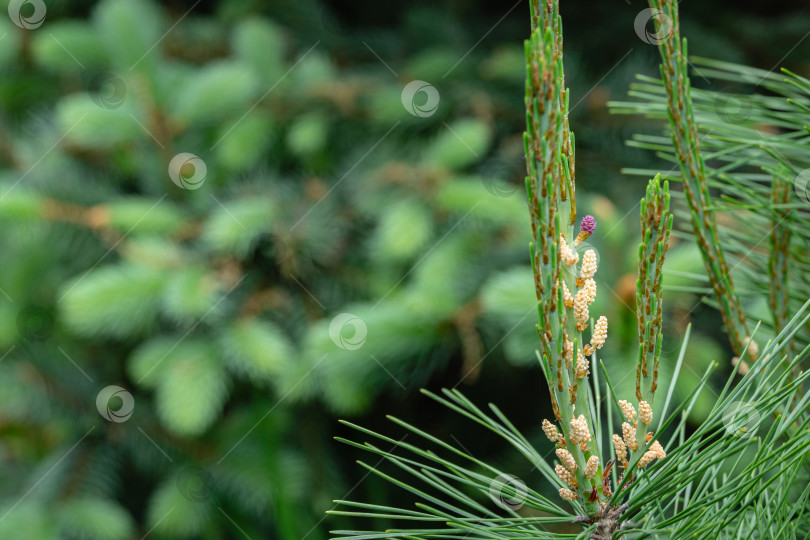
225, 225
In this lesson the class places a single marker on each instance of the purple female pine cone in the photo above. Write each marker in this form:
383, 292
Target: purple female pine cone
588, 225
586, 229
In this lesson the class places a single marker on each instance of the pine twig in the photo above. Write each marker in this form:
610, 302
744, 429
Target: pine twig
656, 226
696, 188
779, 250
543, 146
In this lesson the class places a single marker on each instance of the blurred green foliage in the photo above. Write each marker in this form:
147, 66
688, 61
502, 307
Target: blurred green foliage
208, 288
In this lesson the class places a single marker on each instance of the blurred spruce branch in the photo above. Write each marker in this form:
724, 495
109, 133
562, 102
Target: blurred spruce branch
212, 306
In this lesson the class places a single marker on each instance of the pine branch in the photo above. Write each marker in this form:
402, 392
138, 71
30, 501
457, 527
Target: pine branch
656, 226
687, 144
543, 146
763, 140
